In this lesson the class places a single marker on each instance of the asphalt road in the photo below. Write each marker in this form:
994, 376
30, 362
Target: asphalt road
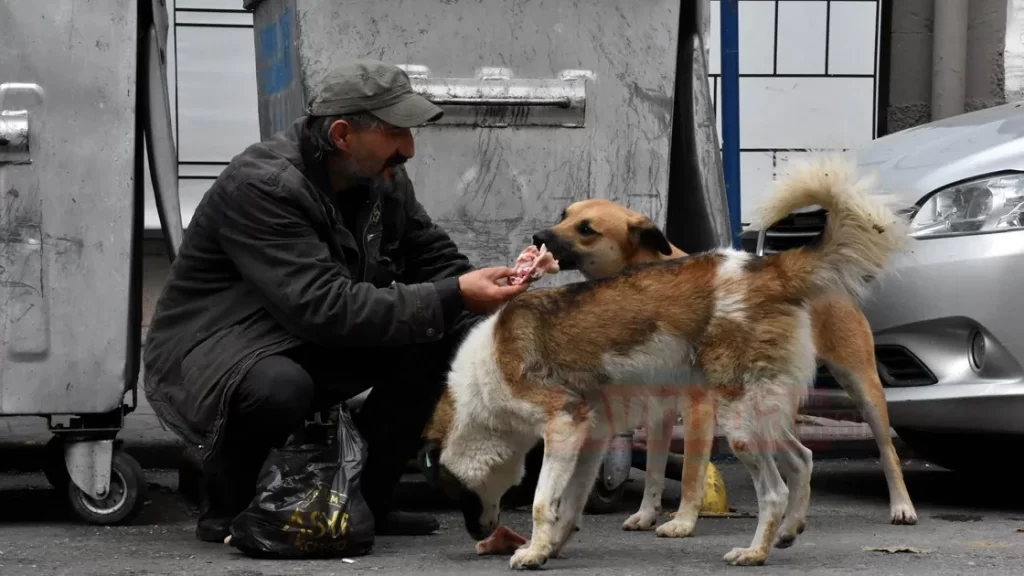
968, 524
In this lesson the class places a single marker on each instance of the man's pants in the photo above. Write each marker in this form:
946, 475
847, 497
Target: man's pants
279, 392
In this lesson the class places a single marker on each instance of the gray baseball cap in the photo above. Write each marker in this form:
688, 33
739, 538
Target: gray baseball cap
383, 90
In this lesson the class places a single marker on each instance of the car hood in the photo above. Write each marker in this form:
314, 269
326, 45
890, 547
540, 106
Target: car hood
914, 162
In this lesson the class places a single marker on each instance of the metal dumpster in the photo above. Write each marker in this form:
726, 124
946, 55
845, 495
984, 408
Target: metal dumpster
75, 106
546, 102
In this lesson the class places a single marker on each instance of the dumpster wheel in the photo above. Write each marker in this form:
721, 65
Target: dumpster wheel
124, 499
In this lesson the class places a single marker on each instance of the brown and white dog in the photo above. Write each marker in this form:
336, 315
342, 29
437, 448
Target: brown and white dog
600, 238
723, 326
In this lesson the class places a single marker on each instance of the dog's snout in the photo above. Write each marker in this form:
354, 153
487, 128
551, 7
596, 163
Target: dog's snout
542, 237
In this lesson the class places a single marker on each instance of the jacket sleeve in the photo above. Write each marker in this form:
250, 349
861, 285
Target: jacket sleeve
277, 251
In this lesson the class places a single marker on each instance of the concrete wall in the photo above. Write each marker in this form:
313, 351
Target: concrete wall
911, 59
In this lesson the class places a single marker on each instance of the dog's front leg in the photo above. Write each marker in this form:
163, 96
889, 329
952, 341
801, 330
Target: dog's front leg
698, 410
564, 441
576, 493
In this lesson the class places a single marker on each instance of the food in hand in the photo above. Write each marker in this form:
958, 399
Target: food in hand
533, 263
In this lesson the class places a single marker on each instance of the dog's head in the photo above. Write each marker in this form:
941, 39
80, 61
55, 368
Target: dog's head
476, 476
601, 238
481, 519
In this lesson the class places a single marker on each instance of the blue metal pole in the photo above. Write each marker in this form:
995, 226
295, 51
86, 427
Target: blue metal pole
731, 111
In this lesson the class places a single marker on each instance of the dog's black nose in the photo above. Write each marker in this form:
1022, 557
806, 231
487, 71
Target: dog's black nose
542, 237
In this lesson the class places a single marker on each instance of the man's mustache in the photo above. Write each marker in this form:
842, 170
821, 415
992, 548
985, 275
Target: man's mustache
396, 160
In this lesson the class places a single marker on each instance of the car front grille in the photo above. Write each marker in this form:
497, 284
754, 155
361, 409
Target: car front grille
793, 231
899, 368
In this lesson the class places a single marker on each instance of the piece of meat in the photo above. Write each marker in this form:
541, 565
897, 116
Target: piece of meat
533, 263
502, 542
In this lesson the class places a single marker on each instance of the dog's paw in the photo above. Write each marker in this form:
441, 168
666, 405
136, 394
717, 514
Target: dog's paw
788, 533
675, 528
745, 557
787, 538
903, 514
641, 520
527, 559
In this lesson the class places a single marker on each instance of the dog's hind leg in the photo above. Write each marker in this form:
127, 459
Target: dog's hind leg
698, 410
564, 441
659, 440
752, 441
796, 462
865, 389
843, 339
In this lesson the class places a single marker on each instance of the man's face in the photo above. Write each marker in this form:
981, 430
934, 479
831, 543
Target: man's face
372, 152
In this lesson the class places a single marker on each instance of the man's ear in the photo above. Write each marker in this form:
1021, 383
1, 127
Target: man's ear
339, 133
647, 234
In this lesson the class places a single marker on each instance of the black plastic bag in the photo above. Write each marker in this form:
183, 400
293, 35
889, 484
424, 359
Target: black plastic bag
309, 501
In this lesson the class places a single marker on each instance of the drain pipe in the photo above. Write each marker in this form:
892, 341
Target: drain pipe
949, 58
730, 39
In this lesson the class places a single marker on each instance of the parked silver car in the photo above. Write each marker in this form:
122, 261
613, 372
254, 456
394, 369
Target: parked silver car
949, 337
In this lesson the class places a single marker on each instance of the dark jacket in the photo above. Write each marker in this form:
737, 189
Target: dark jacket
267, 263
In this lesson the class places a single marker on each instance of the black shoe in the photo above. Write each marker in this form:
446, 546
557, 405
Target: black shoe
226, 491
215, 518
213, 529
406, 524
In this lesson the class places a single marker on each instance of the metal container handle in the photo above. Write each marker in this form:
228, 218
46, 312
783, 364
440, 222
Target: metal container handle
495, 98
437, 96
14, 125
14, 147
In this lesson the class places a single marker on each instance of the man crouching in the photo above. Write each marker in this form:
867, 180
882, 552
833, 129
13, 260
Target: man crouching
308, 274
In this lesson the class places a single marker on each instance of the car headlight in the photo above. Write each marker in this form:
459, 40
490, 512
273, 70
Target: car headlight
991, 204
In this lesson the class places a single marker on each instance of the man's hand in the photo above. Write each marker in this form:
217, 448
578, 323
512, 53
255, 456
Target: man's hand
482, 292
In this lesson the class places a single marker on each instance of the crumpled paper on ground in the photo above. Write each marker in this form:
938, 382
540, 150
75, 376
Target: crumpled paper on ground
898, 549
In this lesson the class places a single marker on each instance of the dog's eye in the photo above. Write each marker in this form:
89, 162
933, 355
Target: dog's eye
585, 229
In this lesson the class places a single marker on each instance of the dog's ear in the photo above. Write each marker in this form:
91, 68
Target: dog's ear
564, 214
647, 234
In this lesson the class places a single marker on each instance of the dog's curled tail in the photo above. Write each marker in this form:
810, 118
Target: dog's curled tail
860, 235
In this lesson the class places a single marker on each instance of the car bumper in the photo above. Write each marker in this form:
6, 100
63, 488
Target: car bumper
948, 338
